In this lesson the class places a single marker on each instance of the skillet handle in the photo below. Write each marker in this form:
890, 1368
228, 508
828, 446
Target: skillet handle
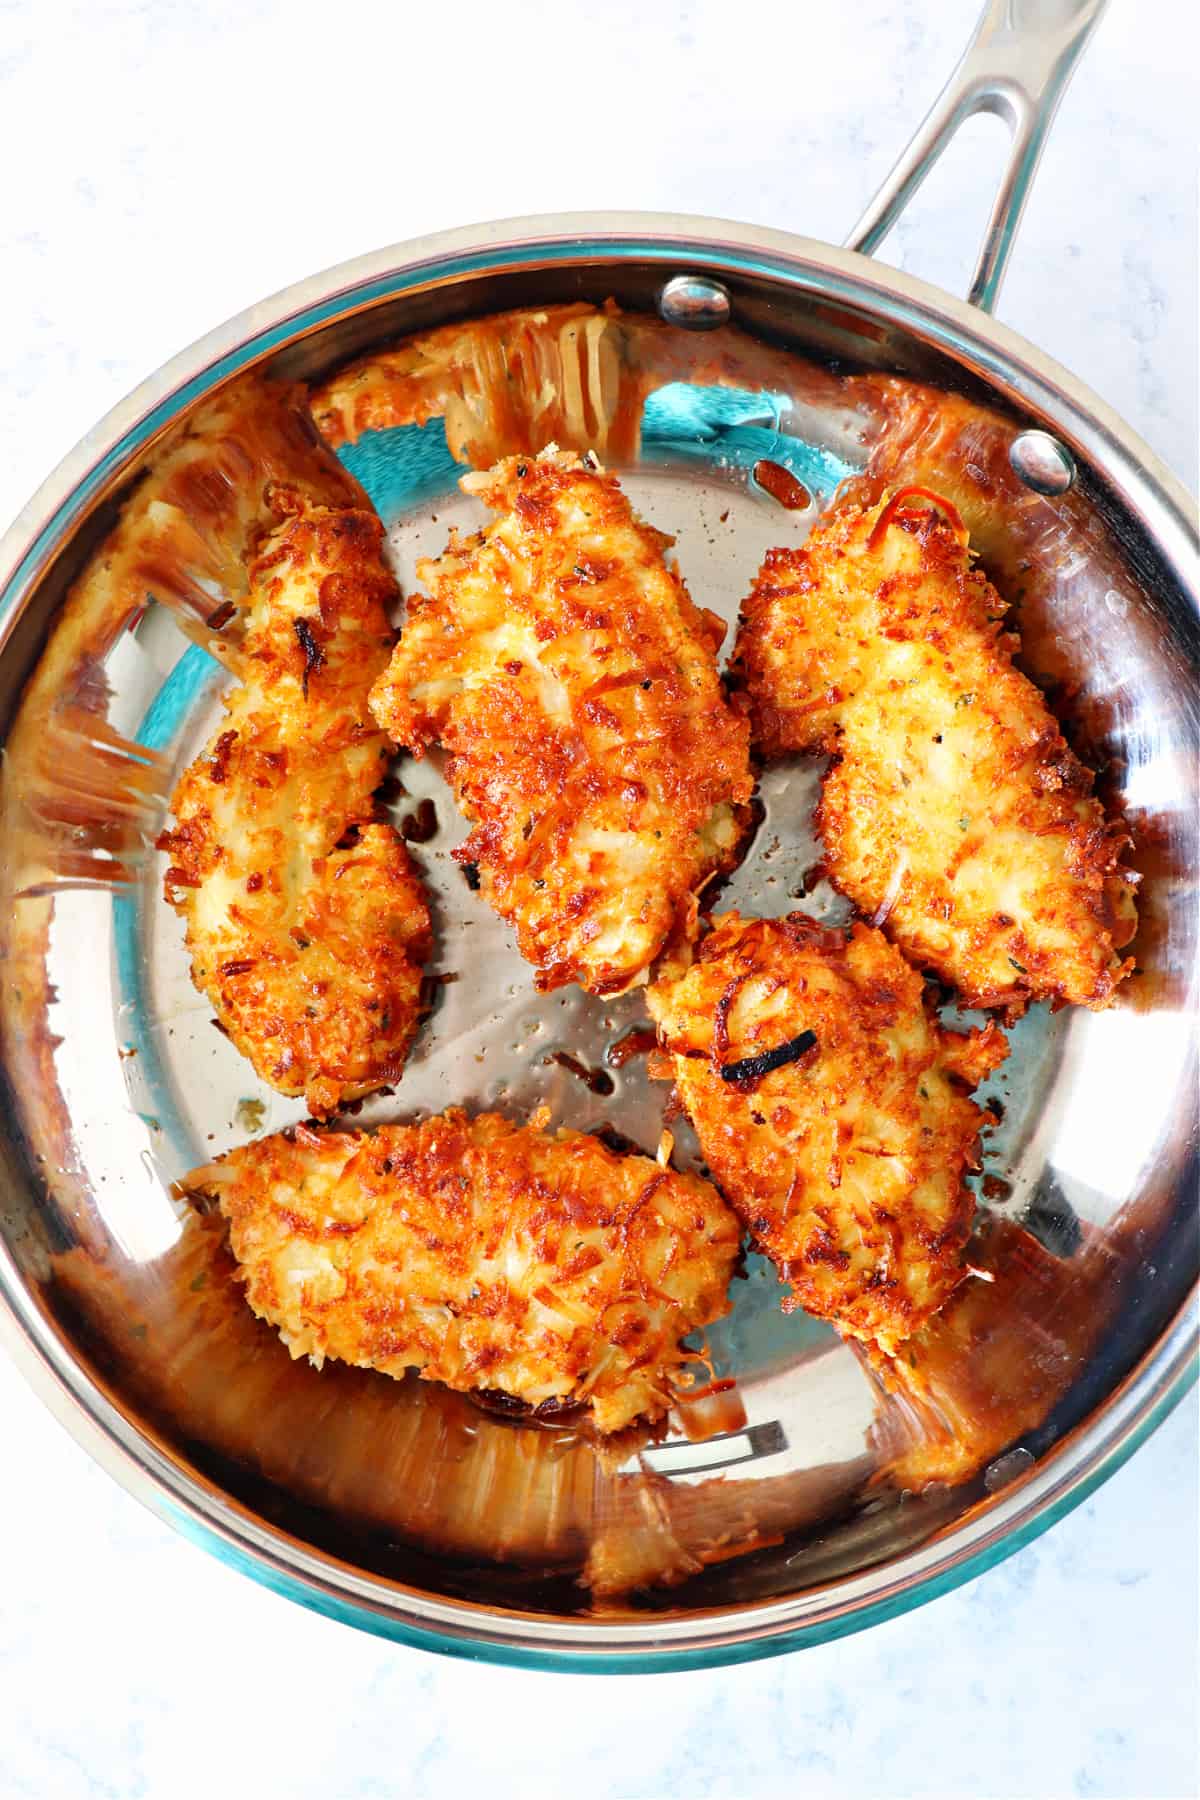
1017, 66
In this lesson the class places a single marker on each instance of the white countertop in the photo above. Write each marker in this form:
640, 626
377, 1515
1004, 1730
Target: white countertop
168, 163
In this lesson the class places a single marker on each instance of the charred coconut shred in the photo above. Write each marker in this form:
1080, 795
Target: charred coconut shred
314, 656
751, 1067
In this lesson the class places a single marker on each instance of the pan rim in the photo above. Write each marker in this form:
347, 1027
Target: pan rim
1008, 360
1098, 1446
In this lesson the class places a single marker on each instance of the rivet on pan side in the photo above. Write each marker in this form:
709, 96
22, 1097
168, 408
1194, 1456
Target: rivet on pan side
1042, 463
1006, 1468
694, 302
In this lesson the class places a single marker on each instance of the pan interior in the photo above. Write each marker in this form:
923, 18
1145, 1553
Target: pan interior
424, 1488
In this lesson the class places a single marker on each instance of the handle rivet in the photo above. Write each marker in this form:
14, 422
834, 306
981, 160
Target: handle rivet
1042, 463
695, 302
1006, 1468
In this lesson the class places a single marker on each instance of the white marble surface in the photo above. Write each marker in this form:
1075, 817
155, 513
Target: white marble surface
169, 162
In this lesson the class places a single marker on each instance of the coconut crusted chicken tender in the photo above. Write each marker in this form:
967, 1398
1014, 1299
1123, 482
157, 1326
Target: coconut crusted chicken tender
306, 921
833, 1110
482, 1254
574, 684
954, 814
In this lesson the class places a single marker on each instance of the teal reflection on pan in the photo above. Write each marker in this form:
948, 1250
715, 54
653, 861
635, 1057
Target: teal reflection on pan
736, 427
401, 466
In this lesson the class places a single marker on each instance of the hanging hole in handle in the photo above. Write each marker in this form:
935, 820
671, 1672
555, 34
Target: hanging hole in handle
961, 185
1016, 66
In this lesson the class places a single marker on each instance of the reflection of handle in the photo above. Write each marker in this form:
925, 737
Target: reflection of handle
1017, 66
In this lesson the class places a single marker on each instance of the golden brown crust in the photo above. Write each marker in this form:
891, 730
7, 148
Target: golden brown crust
484, 1255
306, 920
847, 1163
574, 683
954, 815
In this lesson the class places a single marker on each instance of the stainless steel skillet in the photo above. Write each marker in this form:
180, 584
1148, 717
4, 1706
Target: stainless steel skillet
414, 1514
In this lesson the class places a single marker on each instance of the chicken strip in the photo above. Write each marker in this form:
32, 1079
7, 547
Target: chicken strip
306, 920
832, 1109
954, 813
483, 1254
574, 683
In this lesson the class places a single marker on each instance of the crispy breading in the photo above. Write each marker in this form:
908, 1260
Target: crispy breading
954, 814
574, 683
306, 920
485, 1255
848, 1162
